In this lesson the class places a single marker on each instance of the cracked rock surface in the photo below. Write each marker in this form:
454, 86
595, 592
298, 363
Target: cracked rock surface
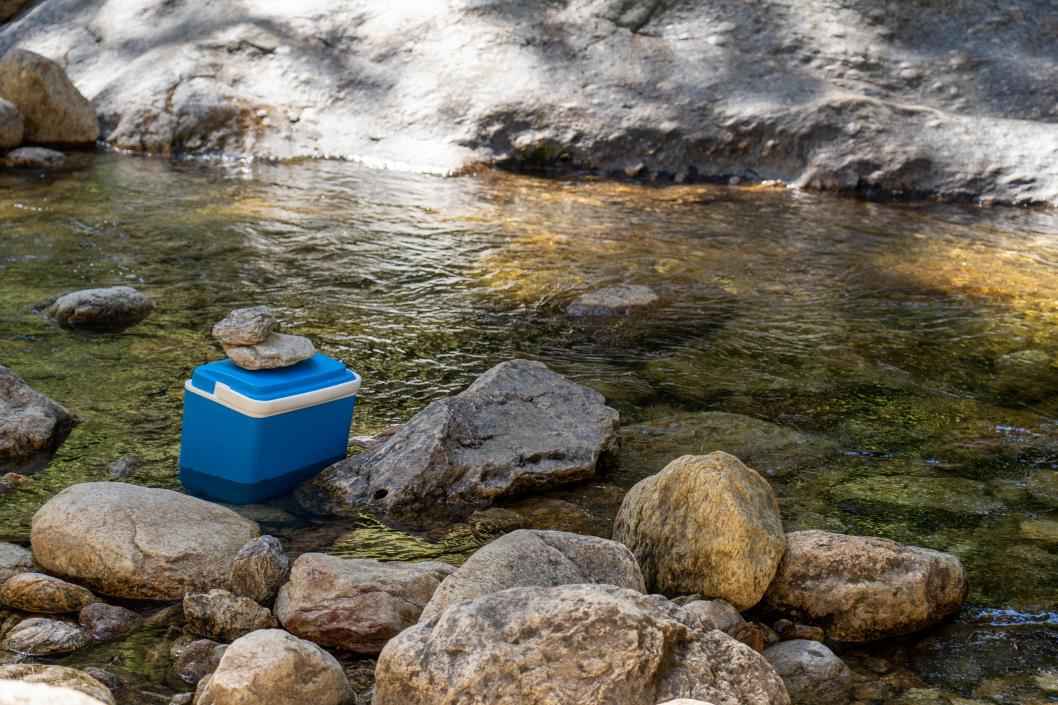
909, 99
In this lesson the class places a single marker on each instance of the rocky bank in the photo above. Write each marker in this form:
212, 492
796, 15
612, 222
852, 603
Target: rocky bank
938, 98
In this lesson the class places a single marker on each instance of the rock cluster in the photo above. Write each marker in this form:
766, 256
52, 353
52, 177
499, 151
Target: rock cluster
250, 341
39, 105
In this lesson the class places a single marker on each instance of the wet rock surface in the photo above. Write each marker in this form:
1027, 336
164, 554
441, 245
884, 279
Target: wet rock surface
39, 636
11, 124
110, 309
14, 560
35, 592
813, 675
528, 558
355, 604
260, 568
34, 158
103, 622
277, 350
60, 677
32, 426
196, 660
617, 646
245, 326
706, 524
54, 110
138, 542
218, 614
863, 588
272, 667
825, 94
612, 301
519, 427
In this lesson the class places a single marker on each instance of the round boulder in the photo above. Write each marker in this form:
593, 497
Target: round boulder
812, 673
569, 645
528, 558
706, 524
861, 588
138, 542
111, 309
58, 676
272, 667
43, 594
22, 693
54, 110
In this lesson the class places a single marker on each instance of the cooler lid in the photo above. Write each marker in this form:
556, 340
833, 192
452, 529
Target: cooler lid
318, 372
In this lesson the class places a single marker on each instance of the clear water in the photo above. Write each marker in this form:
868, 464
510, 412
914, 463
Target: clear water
913, 347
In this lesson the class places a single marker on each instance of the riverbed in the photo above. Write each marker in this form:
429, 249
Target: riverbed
890, 367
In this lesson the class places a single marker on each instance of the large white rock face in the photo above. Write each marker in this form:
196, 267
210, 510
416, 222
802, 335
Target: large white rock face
918, 100
862, 588
519, 427
138, 542
355, 604
53, 109
272, 667
530, 558
570, 645
706, 524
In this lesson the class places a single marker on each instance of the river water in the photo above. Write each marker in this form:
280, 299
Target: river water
891, 368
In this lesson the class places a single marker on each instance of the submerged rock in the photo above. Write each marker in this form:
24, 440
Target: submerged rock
813, 675
528, 558
34, 158
196, 660
14, 560
11, 123
271, 667
520, 427
277, 350
706, 524
613, 301
245, 326
218, 614
32, 426
14, 692
125, 467
355, 604
1043, 486
112, 309
39, 636
103, 622
569, 645
260, 568
59, 677
862, 588
138, 542
36, 592
54, 110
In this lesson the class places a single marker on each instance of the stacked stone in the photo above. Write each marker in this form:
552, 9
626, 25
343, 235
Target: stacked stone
250, 341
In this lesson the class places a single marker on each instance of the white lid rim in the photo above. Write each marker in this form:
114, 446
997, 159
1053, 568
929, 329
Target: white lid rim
256, 408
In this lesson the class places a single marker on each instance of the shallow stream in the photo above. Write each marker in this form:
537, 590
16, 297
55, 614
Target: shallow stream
892, 368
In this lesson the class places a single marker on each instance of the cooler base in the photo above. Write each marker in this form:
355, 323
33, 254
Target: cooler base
218, 489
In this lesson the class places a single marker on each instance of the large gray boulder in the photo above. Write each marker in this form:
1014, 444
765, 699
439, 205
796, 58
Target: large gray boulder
519, 427
32, 426
826, 94
54, 110
110, 309
861, 588
138, 542
812, 673
530, 558
570, 645
355, 604
12, 125
706, 524
59, 677
271, 667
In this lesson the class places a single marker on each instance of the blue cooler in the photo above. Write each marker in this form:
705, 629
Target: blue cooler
251, 435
